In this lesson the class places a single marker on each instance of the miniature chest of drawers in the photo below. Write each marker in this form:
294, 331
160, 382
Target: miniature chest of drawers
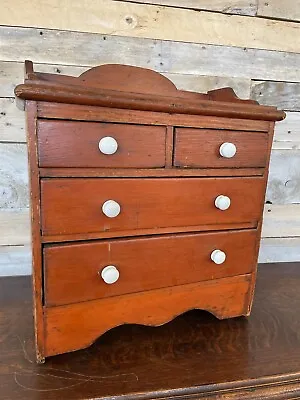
146, 201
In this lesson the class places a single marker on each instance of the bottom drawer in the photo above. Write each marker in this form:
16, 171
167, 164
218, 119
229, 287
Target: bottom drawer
75, 272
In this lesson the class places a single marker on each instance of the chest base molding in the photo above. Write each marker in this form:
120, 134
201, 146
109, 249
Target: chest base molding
76, 326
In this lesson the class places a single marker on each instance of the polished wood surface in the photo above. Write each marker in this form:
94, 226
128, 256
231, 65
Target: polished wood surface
201, 148
166, 194
37, 263
71, 272
134, 96
74, 205
108, 114
194, 356
76, 144
64, 324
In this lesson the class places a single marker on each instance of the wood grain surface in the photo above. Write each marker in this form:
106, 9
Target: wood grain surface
14, 227
72, 206
155, 22
35, 214
11, 74
285, 95
15, 260
287, 9
63, 325
12, 122
201, 148
47, 46
76, 144
182, 103
72, 272
105, 114
242, 7
14, 176
195, 355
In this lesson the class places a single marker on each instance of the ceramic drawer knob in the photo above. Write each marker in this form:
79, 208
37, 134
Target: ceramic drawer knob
218, 256
110, 274
227, 150
108, 145
222, 202
111, 208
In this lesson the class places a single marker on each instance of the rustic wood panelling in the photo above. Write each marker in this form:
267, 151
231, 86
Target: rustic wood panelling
155, 22
281, 220
197, 83
284, 179
284, 95
13, 176
76, 48
85, 49
279, 250
288, 130
14, 227
15, 260
12, 73
282, 9
241, 7
12, 122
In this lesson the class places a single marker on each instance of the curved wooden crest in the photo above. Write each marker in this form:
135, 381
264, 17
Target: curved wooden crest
135, 88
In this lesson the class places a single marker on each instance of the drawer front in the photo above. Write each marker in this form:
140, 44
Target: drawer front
200, 148
74, 206
73, 272
76, 144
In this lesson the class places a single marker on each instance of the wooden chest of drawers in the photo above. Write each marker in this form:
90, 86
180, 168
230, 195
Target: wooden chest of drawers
146, 201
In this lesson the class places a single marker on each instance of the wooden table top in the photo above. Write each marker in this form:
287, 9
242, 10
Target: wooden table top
194, 356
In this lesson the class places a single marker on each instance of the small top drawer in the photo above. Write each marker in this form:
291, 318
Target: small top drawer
210, 148
95, 144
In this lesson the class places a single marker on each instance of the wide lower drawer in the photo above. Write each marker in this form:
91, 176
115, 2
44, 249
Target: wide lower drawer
73, 272
80, 206
96, 144
212, 148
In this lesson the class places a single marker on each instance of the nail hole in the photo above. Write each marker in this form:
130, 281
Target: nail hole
129, 20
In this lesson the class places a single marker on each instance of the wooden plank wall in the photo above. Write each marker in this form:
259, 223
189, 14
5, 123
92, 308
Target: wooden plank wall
199, 44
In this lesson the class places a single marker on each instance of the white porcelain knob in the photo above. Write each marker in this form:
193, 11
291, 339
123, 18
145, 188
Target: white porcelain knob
110, 274
111, 208
108, 145
218, 256
227, 150
222, 202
